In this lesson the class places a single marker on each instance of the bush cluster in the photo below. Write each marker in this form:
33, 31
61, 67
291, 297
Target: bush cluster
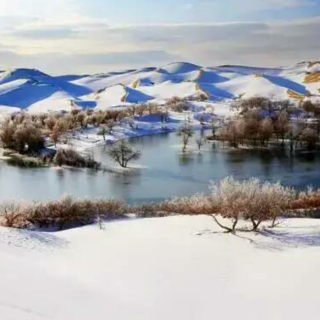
64, 213
70, 157
21, 135
249, 200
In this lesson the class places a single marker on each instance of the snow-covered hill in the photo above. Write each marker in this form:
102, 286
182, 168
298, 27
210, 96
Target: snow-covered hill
38, 92
164, 268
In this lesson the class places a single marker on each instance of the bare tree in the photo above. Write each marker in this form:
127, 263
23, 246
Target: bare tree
103, 131
200, 143
282, 125
110, 125
13, 214
186, 132
310, 138
266, 130
55, 136
233, 132
122, 152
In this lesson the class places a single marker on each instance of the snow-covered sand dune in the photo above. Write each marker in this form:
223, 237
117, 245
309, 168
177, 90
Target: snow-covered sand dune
164, 268
36, 91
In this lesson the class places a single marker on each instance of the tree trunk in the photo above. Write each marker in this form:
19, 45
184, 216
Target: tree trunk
228, 230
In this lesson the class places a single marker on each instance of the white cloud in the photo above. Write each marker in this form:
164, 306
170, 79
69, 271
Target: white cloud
48, 37
245, 6
39, 8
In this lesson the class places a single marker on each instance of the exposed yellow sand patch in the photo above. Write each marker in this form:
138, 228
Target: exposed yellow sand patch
124, 98
313, 63
136, 83
294, 95
199, 75
312, 77
198, 88
258, 75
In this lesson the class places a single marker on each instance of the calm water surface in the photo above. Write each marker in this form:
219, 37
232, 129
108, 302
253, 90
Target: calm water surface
164, 173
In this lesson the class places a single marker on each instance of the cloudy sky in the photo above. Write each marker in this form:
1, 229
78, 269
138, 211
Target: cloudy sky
87, 36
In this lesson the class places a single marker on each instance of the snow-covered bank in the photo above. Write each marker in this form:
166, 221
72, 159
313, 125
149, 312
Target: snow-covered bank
147, 125
166, 268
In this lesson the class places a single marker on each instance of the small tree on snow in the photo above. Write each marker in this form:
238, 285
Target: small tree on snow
55, 136
110, 126
103, 131
200, 143
228, 195
185, 132
251, 200
122, 152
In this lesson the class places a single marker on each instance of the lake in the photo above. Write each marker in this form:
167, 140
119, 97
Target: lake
163, 172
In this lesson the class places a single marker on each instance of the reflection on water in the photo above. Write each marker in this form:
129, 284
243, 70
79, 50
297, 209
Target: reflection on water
165, 172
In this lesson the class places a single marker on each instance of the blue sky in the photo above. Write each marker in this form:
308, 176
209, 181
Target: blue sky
86, 36
180, 11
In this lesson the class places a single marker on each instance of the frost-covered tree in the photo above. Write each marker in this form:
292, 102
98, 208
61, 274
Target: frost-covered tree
122, 152
252, 200
228, 195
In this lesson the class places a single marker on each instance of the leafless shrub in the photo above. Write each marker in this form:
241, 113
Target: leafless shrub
68, 212
50, 122
141, 109
309, 199
70, 157
177, 104
14, 214
152, 107
195, 205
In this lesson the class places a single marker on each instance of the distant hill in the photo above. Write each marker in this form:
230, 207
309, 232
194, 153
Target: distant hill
36, 91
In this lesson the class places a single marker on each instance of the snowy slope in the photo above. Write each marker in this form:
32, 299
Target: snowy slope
101, 81
58, 101
168, 89
36, 91
165, 268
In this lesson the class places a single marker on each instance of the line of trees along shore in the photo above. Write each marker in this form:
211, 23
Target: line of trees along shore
261, 121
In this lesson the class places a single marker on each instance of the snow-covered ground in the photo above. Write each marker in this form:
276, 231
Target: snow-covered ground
161, 268
141, 126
